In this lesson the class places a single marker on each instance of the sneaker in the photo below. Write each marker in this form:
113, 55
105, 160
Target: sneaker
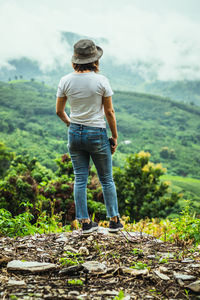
89, 227
115, 226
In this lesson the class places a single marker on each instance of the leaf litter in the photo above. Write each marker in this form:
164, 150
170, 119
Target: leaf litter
102, 265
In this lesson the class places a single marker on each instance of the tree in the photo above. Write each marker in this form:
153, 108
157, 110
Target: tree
5, 158
140, 191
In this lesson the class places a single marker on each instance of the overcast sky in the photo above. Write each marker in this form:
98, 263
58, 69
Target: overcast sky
161, 36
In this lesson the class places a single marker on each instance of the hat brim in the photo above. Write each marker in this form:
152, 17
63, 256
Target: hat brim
90, 59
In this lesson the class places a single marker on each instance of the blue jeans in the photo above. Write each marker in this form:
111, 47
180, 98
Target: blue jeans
85, 142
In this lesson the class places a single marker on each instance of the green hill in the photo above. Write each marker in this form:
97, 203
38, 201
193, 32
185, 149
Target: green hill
168, 130
188, 187
124, 76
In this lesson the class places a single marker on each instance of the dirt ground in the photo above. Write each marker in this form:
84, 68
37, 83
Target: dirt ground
156, 270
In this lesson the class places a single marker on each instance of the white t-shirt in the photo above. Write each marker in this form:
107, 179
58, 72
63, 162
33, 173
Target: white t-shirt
84, 93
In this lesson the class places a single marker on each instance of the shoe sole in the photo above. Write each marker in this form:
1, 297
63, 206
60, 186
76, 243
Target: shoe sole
114, 229
90, 230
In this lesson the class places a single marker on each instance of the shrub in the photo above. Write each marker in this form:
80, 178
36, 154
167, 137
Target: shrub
139, 189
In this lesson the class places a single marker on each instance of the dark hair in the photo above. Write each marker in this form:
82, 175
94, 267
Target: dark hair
94, 66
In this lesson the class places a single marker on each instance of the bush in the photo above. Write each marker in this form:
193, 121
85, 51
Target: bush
140, 191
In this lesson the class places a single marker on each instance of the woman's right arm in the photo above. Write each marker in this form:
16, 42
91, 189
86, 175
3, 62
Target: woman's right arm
60, 110
110, 116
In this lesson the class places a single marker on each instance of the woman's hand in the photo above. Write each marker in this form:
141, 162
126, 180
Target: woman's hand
113, 144
68, 122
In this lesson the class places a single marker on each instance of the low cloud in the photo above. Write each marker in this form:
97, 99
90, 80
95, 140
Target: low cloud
158, 45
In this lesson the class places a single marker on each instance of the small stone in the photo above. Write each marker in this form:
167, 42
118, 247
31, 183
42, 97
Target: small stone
62, 239
21, 246
108, 293
162, 276
151, 256
167, 255
60, 291
73, 293
90, 238
72, 270
83, 251
194, 266
8, 250
13, 282
135, 272
187, 260
94, 266
30, 266
70, 249
183, 276
30, 245
194, 286
39, 250
82, 296
164, 270
181, 283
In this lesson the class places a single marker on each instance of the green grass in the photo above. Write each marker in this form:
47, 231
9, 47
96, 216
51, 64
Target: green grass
189, 188
191, 185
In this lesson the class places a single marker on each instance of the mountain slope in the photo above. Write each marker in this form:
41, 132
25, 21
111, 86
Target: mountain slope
124, 77
168, 130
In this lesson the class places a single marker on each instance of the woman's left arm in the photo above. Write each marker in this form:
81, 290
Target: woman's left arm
60, 110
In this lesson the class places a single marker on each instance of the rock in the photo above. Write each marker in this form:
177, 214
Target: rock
180, 282
39, 250
62, 239
72, 270
30, 266
164, 270
135, 272
21, 246
187, 260
8, 250
194, 286
73, 293
29, 245
13, 282
83, 251
162, 276
183, 276
112, 293
108, 293
194, 266
151, 256
95, 267
70, 249
167, 255
90, 238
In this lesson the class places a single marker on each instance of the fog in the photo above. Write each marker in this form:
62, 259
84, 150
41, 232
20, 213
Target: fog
159, 39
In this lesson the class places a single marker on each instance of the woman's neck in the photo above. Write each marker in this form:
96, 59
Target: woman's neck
86, 71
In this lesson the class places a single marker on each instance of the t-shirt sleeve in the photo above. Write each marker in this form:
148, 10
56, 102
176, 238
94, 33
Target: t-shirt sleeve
60, 90
107, 90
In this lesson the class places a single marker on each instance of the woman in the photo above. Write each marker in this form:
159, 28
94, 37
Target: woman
89, 95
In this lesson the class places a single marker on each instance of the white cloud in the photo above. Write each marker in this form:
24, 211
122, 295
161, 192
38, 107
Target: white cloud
165, 44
